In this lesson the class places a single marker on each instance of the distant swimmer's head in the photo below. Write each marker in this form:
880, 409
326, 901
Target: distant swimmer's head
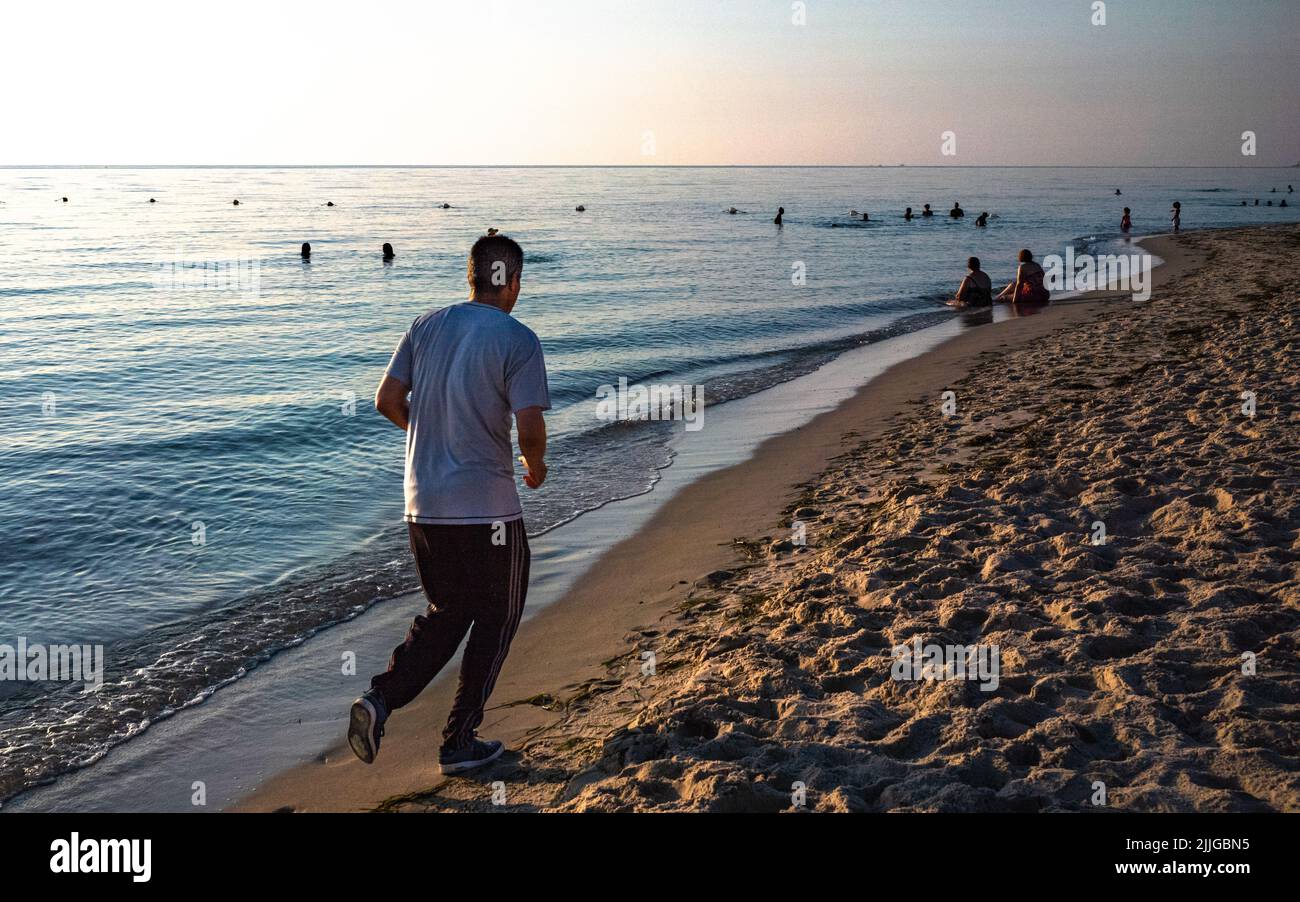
908, 210
973, 264
1118, 192
927, 206
580, 208
1025, 256
152, 201
329, 203
496, 264
446, 206
65, 200
306, 250
388, 251
780, 210
1177, 205
1127, 211
235, 202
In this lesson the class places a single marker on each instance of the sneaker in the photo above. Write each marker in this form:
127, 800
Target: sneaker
366, 725
476, 754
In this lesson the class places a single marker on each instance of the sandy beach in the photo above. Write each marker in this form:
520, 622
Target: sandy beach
711, 662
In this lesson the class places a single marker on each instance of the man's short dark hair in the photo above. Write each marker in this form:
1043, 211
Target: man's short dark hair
494, 262
973, 264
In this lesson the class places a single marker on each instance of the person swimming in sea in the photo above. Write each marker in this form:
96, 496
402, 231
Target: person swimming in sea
926, 211
152, 201
388, 251
329, 203
780, 211
580, 208
1118, 192
235, 202
1176, 215
907, 214
956, 212
306, 251
1283, 203
1126, 223
982, 220
446, 206
976, 289
1027, 287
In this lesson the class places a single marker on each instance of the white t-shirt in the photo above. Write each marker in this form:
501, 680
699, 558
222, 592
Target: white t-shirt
469, 366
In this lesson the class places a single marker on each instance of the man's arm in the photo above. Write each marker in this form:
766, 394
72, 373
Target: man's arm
390, 400
532, 443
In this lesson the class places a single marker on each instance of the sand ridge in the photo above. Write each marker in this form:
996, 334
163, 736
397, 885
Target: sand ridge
1120, 663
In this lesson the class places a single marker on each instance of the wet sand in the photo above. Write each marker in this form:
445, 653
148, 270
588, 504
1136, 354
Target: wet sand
1120, 662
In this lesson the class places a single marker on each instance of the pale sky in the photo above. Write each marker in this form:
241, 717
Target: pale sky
1163, 82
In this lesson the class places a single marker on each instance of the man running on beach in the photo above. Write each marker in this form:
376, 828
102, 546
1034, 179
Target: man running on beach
467, 368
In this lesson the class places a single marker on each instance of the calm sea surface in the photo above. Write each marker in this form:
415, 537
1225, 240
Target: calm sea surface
191, 472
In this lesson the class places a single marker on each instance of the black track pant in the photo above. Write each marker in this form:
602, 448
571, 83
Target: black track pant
473, 584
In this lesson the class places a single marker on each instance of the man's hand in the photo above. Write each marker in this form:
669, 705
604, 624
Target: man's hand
536, 473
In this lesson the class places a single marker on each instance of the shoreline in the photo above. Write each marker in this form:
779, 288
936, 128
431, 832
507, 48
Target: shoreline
561, 651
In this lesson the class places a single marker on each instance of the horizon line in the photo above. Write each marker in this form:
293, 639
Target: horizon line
627, 166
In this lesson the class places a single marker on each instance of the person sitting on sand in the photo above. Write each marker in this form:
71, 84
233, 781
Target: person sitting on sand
1126, 223
976, 289
780, 211
467, 368
926, 211
1027, 287
907, 214
956, 212
1176, 215
982, 220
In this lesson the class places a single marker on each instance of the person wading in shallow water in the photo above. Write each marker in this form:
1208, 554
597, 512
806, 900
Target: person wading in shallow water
467, 368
